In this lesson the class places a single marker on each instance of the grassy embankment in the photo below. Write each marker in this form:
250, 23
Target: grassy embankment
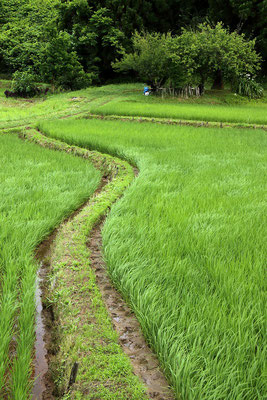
127, 99
83, 332
186, 247
38, 189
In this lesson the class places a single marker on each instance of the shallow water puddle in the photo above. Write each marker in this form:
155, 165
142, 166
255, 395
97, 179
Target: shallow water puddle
41, 364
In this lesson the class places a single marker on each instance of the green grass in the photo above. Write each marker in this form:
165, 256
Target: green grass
247, 113
17, 112
186, 246
127, 99
84, 331
38, 188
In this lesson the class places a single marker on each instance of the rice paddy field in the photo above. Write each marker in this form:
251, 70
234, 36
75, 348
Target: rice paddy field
185, 244
127, 100
38, 188
247, 114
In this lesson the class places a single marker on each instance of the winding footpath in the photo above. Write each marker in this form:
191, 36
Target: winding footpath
85, 309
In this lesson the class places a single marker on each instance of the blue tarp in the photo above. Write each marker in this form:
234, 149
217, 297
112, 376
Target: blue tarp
146, 89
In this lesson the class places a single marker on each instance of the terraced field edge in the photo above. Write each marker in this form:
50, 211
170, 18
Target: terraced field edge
172, 121
83, 336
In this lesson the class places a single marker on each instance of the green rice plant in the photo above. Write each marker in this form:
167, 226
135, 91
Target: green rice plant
38, 188
248, 114
186, 246
127, 99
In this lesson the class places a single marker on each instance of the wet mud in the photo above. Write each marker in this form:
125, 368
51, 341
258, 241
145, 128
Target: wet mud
144, 362
43, 387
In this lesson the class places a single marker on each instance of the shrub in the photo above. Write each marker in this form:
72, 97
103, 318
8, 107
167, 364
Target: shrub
192, 58
209, 50
247, 86
24, 83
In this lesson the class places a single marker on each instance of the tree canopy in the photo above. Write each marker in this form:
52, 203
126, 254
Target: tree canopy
100, 32
193, 57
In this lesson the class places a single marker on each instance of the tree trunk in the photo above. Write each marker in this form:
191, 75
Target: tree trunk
201, 89
218, 81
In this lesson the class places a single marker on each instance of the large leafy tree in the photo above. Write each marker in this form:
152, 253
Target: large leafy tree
149, 58
205, 51
192, 57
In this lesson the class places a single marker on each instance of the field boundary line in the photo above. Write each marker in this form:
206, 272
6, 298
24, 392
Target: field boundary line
171, 121
76, 262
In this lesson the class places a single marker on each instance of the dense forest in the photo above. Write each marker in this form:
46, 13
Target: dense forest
71, 43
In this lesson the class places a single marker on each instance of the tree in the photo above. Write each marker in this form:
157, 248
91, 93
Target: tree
96, 37
191, 58
207, 50
60, 66
149, 58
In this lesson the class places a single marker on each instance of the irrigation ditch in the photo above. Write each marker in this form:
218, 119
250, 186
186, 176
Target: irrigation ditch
73, 276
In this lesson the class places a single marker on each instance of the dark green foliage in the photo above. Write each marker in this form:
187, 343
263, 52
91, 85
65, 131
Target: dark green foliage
60, 65
247, 16
100, 31
190, 59
96, 36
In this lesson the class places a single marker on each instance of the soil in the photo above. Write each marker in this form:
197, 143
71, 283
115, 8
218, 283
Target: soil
143, 360
43, 386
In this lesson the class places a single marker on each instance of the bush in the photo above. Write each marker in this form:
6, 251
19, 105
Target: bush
24, 83
247, 86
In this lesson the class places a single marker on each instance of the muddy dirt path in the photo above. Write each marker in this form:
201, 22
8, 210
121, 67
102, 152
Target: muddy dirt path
144, 362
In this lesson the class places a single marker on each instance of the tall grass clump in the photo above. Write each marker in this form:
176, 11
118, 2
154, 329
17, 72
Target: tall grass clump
247, 86
186, 246
38, 188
